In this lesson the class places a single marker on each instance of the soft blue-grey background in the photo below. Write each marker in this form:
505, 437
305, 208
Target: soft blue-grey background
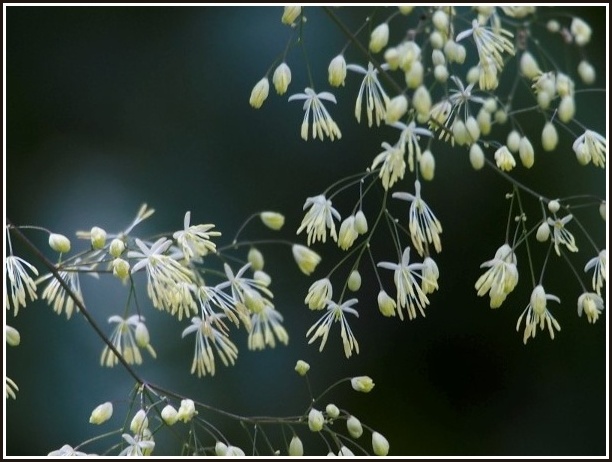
111, 107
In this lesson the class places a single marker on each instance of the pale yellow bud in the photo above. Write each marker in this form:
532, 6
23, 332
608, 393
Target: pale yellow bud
460, 53
337, 71
396, 108
473, 129
543, 98
116, 247
405, 9
59, 243
602, 210
319, 293
259, 93
141, 334
529, 66
361, 223
380, 445
427, 165
347, 233
256, 259
504, 159
392, 58
440, 20
354, 281
379, 37
564, 85
441, 73
169, 415
414, 77
306, 259
436, 40
272, 220
567, 109
139, 422
553, 26
543, 232
581, 31
281, 78
362, 383
101, 413
490, 105
484, 121
513, 140
550, 137
477, 158
501, 116
121, 268
421, 100
290, 14
315, 420
353, 425
262, 278
220, 449
332, 411
234, 451
296, 448
98, 237
302, 367
345, 452
473, 75
554, 206
437, 57
12, 336
586, 72
386, 304
187, 410
526, 152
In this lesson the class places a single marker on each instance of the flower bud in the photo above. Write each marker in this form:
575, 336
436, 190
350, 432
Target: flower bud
380, 445
553, 26
554, 206
101, 413
319, 293
59, 243
220, 449
379, 37
272, 220
504, 159
259, 93
262, 278
602, 210
141, 335
567, 109
169, 415
121, 268
12, 336
256, 259
281, 78
347, 233
431, 273
513, 141
396, 108
392, 58
290, 14
234, 451
526, 152
302, 367
362, 383
296, 448
315, 420
490, 105
441, 73
139, 422
98, 238
437, 58
306, 259
473, 75
460, 133
586, 72
187, 410
472, 128
543, 232
427, 165
436, 40
337, 71
581, 31
361, 223
484, 121
386, 304
354, 281
440, 20
421, 100
332, 411
116, 247
353, 425
414, 77
501, 116
550, 138
345, 452
529, 66
477, 158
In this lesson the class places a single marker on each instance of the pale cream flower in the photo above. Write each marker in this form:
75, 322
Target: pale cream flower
302, 367
538, 314
124, 340
296, 448
315, 420
67, 451
336, 313
354, 427
380, 445
306, 258
101, 413
561, 236
501, 278
376, 98
393, 164
59, 243
194, 240
169, 415
337, 71
379, 37
187, 410
56, 295
138, 445
318, 218
13, 338
362, 383
592, 305
272, 220
322, 122
409, 138
265, 326
19, 281
319, 293
504, 159
259, 93
591, 146
281, 78
598, 264
386, 304
489, 43
581, 31
430, 274
347, 233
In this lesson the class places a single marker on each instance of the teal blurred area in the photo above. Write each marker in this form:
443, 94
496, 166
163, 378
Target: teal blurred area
111, 107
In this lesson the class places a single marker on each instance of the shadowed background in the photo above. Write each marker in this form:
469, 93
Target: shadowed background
111, 107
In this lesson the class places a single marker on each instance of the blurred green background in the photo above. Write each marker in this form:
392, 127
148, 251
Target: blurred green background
110, 107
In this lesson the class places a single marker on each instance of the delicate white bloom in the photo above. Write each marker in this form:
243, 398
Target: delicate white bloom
59, 243
581, 31
538, 314
101, 413
259, 93
376, 98
501, 278
337, 71
169, 415
393, 164
386, 304
139, 422
591, 146
302, 367
598, 264
347, 233
194, 240
430, 274
272, 220
315, 420
423, 224
124, 340
336, 313
592, 305
56, 295
290, 14
379, 37
504, 159
306, 259
490, 43
561, 235
137, 445
10, 388
322, 122
353, 426
187, 410
207, 333
265, 325
19, 280
362, 383
354, 281
296, 448
66, 451
318, 219
281, 78
409, 139
409, 292
380, 445
319, 293
13, 338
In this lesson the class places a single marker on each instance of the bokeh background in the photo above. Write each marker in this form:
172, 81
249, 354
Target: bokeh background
110, 107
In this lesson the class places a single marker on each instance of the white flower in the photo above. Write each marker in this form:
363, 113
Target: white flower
19, 281
538, 314
56, 295
318, 219
376, 98
347, 233
380, 445
205, 334
409, 292
247, 291
101, 413
379, 37
266, 324
362, 383
504, 159
124, 340
302, 367
66, 451
335, 313
187, 410
194, 241
306, 259
296, 448
169, 415
354, 427
315, 420
591, 146
430, 273
137, 445
592, 305
393, 164
424, 226
322, 122
501, 278
561, 235
598, 264
489, 43
410, 136
581, 31
59, 243
319, 293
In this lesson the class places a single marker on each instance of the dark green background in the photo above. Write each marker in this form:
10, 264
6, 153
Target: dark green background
111, 107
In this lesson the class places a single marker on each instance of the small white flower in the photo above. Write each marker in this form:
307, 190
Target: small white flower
347, 233
56, 295
187, 410
169, 415
393, 164
538, 314
336, 313
380, 445
194, 240
598, 264
354, 427
265, 325
504, 159
561, 236
306, 258
362, 383
489, 43
319, 293
501, 278
410, 136
66, 451
379, 37
315, 420
318, 218
59, 243
19, 280
592, 305
322, 122
376, 98
302, 367
337, 71
124, 340
272, 220
137, 445
296, 448
101, 413
591, 146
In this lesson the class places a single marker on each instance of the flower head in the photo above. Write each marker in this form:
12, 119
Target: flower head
376, 98
393, 164
501, 278
138, 445
489, 43
19, 281
561, 236
591, 146
56, 295
592, 305
194, 240
538, 314
127, 340
322, 123
598, 264
318, 218
336, 313
363, 383
319, 293
265, 326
